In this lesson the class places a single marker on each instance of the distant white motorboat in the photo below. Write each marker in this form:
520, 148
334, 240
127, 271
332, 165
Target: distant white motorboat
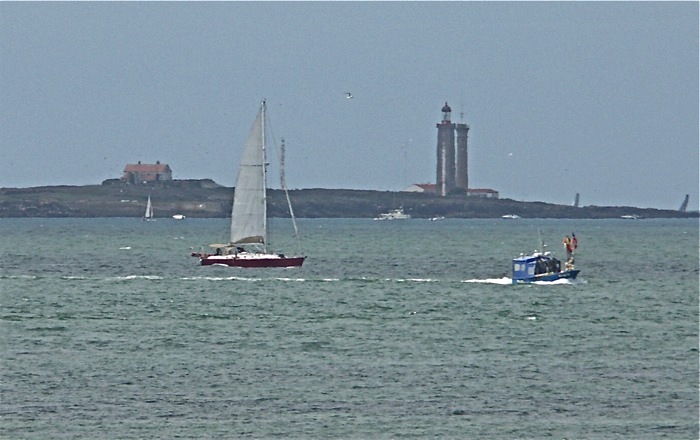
630, 217
437, 219
179, 217
510, 216
394, 214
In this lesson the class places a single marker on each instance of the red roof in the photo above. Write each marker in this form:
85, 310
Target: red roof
427, 186
146, 168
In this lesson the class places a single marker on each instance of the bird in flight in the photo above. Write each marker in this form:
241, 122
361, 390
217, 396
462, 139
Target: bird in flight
348, 95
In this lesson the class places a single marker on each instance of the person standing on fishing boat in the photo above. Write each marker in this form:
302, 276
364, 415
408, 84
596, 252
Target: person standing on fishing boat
568, 246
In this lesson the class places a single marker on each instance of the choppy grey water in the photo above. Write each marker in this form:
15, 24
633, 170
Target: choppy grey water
405, 329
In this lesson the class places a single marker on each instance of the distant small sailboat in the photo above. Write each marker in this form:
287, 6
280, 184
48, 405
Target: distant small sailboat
684, 205
148, 215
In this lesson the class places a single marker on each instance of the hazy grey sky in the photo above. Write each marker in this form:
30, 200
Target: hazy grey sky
592, 97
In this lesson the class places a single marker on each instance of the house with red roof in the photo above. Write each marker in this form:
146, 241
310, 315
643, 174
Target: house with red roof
143, 173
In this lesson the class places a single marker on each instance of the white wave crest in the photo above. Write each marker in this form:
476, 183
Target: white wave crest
135, 277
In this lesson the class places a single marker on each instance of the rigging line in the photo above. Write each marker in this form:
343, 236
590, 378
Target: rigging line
273, 139
280, 152
283, 183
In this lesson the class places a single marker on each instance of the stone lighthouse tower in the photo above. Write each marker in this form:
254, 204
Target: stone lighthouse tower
462, 179
445, 181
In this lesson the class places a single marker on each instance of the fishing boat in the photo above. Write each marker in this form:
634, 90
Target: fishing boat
394, 214
543, 266
148, 215
248, 245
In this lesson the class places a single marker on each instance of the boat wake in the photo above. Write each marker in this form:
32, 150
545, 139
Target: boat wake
506, 281
501, 281
565, 281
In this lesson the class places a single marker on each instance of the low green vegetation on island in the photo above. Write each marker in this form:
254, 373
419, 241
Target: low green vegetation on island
206, 199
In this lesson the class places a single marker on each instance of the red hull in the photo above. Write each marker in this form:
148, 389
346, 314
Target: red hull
254, 262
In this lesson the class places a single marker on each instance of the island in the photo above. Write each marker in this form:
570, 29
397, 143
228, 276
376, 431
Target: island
204, 198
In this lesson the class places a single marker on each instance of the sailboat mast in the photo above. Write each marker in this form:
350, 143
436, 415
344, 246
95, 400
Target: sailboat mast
264, 174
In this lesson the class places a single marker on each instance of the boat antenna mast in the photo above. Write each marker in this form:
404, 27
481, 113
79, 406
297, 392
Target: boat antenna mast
543, 245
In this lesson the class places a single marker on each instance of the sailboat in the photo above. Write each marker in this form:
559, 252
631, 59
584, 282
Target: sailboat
248, 245
148, 215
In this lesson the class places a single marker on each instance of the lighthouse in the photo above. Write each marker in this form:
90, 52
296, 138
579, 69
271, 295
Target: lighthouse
445, 182
462, 172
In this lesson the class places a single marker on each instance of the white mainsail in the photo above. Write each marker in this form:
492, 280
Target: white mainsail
149, 209
249, 212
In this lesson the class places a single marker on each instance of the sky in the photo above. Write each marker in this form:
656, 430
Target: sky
596, 98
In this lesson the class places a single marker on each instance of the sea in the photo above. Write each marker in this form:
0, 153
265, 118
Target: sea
406, 329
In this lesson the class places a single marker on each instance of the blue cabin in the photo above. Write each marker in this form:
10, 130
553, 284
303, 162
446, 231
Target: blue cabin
524, 268
540, 267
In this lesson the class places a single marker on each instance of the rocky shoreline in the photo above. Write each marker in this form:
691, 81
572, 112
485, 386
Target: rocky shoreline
206, 199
